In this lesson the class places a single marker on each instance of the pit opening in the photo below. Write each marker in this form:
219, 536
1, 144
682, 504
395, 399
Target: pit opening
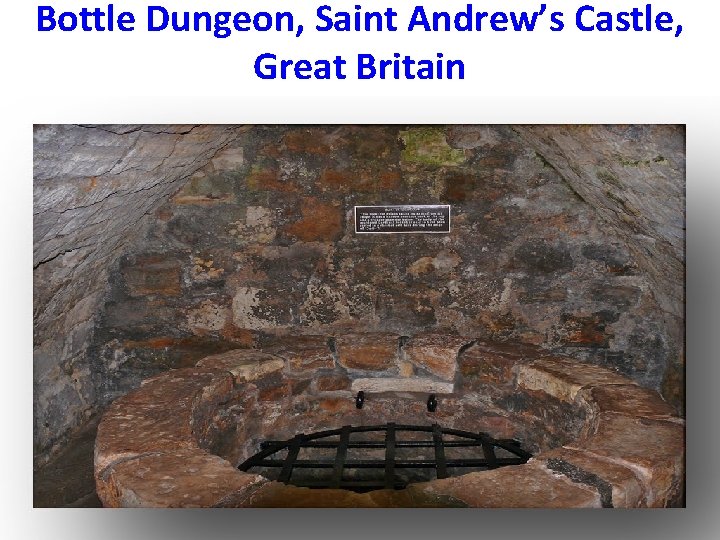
251, 428
389, 456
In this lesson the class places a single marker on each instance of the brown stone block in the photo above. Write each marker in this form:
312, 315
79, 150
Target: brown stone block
497, 325
563, 378
437, 353
442, 264
531, 337
488, 370
673, 385
389, 180
181, 352
178, 386
154, 343
591, 330
523, 352
179, 479
374, 352
477, 418
320, 222
337, 405
271, 149
359, 180
245, 364
617, 483
298, 387
332, 382
167, 412
375, 180
153, 274
552, 294
521, 486
336, 180
124, 434
277, 495
308, 141
241, 337
459, 186
272, 380
371, 144
303, 353
275, 392
629, 399
422, 385
558, 421
496, 161
443, 415
619, 296
654, 449
268, 180
490, 365
407, 409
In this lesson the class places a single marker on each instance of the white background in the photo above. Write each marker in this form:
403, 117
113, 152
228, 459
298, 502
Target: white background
539, 77
540, 63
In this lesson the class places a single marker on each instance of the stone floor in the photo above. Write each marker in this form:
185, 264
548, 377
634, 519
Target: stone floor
67, 480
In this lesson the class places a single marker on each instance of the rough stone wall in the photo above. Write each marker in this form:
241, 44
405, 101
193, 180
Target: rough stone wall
156, 245
262, 243
634, 178
93, 188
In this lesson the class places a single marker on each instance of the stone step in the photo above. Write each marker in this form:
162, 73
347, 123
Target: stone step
415, 384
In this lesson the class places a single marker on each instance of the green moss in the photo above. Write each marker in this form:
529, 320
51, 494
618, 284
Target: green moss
210, 187
641, 162
545, 162
622, 203
631, 162
427, 146
608, 177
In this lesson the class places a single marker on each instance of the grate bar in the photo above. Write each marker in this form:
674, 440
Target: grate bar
489, 453
366, 485
440, 464
340, 457
291, 459
390, 456
254, 461
400, 427
339, 463
375, 444
380, 464
513, 447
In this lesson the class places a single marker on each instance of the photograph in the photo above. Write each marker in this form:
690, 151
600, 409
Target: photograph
381, 315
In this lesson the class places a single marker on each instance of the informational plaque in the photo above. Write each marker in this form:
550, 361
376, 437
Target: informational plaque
406, 218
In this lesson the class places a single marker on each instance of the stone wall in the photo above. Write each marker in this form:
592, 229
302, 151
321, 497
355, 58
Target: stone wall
157, 245
265, 246
93, 189
633, 177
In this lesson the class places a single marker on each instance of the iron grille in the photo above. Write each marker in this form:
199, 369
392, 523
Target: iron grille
380, 448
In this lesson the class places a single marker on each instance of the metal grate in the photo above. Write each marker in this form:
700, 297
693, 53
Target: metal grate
430, 446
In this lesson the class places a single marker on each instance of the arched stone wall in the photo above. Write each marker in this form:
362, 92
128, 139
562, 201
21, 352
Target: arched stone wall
559, 239
94, 188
